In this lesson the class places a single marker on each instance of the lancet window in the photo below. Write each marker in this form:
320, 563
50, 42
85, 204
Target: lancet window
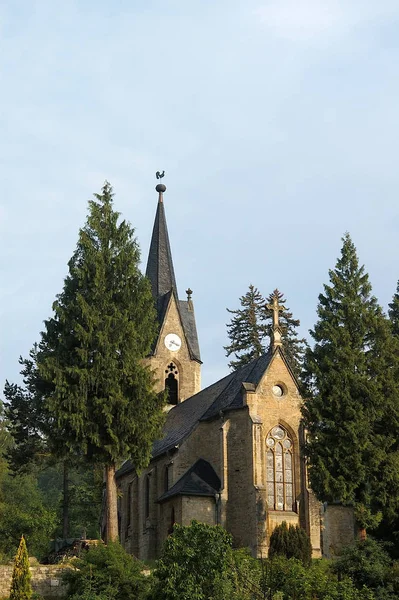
280, 470
172, 383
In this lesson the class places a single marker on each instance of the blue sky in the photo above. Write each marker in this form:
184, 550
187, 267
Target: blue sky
276, 122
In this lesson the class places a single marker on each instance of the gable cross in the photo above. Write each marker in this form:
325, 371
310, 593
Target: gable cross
276, 308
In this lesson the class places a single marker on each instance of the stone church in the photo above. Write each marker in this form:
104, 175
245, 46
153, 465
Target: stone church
230, 453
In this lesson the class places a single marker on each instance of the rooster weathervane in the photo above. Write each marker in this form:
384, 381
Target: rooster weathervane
159, 175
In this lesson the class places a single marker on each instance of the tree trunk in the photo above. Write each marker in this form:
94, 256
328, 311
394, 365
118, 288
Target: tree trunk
65, 502
111, 532
362, 534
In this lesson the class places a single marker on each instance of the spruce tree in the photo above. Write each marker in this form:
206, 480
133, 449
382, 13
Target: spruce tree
21, 588
247, 329
393, 311
94, 346
27, 418
294, 347
351, 413
250, 331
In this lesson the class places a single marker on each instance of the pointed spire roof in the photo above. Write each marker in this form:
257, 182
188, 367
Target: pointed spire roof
160, 270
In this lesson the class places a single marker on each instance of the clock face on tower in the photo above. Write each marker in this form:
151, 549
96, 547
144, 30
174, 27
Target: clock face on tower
172, 342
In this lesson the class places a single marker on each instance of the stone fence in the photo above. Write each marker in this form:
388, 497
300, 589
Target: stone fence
46, 580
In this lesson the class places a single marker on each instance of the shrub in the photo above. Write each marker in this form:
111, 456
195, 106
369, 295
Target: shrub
106, 573
291, 542
198, 563
368, 563
20, 584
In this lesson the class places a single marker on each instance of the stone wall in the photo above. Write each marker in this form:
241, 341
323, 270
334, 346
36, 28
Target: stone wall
46, 580
338, 528
189, 370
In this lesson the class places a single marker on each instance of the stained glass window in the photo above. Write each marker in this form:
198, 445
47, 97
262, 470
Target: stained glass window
279, 470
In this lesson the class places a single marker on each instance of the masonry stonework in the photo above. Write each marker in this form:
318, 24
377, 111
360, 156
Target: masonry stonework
189, 370
46, 581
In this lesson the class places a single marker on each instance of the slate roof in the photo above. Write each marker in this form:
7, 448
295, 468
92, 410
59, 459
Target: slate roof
225, 394
161, 274
160, 265
199, 480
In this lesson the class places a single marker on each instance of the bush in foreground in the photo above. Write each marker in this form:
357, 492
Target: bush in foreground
106, 573
21, 588
291, 542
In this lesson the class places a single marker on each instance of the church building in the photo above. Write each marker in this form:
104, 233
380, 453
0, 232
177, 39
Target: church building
230, 453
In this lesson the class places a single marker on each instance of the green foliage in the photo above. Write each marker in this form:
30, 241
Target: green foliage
352, 411
393, 311
106, 573
291, 542
21, 588
23, 509
289, 579
93, 347
85, 497
198, 563
250, 331
293, 346
27, 418
247, 329
367, 563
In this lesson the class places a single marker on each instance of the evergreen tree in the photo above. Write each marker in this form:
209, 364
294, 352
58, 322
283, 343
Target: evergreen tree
21, 588
393, 311
93, 348
293, 346
352, 414
247, 329
250, 331
27, 418
38, 442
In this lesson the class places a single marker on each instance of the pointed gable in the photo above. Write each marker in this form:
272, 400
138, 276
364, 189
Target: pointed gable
160, 272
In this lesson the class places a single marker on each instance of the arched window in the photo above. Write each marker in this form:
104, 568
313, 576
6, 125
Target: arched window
129, 504
172, 384
166, 478
147, 497
172, 521
279, 466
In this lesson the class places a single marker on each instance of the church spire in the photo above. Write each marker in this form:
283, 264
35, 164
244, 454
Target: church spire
160, 270
276, 307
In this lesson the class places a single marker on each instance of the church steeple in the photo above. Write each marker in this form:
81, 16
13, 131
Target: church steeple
175, 355
160, 270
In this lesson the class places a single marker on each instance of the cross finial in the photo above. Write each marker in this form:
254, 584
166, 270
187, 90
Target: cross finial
277, 308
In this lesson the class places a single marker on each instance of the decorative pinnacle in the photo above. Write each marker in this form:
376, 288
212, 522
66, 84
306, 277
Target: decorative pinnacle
160, 188
189, 293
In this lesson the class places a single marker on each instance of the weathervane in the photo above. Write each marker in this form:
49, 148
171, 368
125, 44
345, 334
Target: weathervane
159, 175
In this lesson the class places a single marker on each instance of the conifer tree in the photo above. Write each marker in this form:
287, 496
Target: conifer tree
393, 311
21, 588
351, 413
293, 346
250, 331
247, 330
93, 348
26, 415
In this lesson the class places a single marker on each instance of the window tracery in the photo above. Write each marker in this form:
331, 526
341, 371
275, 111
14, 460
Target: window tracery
172, 383
279, 470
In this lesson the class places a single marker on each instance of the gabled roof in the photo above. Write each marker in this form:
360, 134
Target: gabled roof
225, 394
199, 480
